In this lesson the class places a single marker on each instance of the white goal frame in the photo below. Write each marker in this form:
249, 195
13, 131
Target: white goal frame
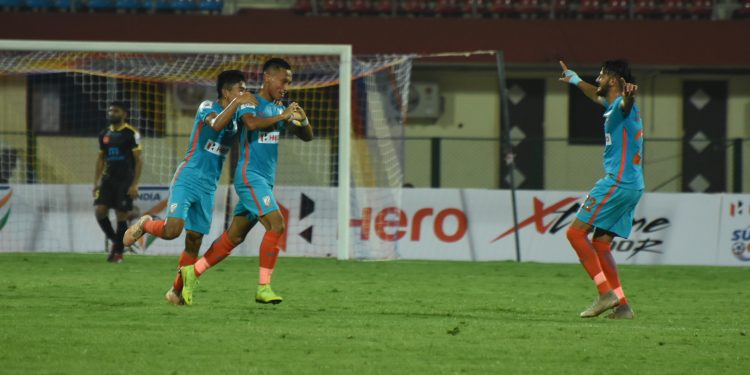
344, 52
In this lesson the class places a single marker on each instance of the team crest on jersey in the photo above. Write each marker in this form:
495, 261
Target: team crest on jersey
172, 208
206, 104
267, 201
607, 139
270, 137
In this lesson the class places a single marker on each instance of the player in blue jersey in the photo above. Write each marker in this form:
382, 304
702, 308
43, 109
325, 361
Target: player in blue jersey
255, 175
608, 209
191, 192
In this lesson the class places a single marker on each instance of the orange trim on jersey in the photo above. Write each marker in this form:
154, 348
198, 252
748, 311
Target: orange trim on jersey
190, 154
624, 153
606, 198
619, 175
244, 175
639, 135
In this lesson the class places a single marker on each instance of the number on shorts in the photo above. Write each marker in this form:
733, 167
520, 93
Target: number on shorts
589, 203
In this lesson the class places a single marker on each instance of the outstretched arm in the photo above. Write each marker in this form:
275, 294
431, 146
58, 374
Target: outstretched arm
628, 96
572, 77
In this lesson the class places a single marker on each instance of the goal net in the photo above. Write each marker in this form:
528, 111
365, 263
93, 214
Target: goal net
55, 95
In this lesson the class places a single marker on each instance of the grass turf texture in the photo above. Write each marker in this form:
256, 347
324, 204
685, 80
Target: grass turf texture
77, 314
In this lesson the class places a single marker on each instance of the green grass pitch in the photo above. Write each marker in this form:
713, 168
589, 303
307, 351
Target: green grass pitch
77, 314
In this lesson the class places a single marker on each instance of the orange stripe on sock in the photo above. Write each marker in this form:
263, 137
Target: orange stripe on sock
621, 295
599, 278
588, 256
201, 266
264, 275
268, 254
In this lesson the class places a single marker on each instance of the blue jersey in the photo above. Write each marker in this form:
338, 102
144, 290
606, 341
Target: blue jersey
623, 150
259, 149
207, 149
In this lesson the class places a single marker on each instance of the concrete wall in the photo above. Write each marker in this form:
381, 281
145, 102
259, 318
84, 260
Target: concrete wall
471, 115
470, 99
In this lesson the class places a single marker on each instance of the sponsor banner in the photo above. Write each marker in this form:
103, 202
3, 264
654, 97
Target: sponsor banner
428, 224
61, 218
439, 224
153, 200
310, 217
658, 235
734, 234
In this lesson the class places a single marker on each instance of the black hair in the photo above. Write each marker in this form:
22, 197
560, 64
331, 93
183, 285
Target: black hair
227, 79
125, 106
620, 68
276, 63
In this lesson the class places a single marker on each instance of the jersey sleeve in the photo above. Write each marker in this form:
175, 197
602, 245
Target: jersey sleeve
206, 108
136, 142
246, 108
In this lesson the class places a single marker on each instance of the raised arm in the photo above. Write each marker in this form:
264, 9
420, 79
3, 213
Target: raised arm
572, 77
628, 96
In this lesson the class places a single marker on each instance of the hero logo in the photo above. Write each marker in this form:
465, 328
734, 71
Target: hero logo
392, 224
567, 207
216, 148
741, 244
270, 137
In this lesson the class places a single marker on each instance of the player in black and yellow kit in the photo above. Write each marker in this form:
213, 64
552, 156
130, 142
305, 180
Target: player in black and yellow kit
118, 169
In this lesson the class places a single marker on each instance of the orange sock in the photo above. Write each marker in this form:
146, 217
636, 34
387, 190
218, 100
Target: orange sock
220, 249
186, 259
269, 253
609, 267
155, 227
579, 240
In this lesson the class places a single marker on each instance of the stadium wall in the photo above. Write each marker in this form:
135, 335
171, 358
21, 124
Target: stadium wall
470, 118
432, 224
675, 43
471, 111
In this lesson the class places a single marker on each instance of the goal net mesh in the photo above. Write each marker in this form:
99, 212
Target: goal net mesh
54, 105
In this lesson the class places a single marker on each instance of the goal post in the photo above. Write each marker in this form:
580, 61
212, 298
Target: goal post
105, 69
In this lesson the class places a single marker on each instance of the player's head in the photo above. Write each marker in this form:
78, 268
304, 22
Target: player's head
117, 112
230, 84
610, 74
277, 76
